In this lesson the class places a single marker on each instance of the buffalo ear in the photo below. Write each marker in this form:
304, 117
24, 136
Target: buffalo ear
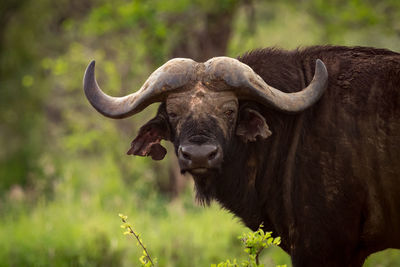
252, 124
147, 142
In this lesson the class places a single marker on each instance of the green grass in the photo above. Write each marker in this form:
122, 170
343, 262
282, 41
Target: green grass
79, 224
77, 234
72, 234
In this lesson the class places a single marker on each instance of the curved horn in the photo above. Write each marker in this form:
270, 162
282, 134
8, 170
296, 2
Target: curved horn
249, 85
170, 76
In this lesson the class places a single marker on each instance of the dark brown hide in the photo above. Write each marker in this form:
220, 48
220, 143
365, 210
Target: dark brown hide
328, 178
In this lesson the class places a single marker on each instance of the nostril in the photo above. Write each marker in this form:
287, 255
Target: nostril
186, 155
212, 155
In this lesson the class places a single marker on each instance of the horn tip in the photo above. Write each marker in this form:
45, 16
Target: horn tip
91, 64
90, 68
319, 63
88, 78
321, 67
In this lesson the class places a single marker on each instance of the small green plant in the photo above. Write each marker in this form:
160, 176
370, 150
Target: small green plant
254, 243
145, 259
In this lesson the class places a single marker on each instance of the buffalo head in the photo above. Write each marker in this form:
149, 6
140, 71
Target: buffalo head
200, 111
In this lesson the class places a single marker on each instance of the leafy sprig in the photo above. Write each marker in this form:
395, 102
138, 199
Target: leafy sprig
145, 259
254, 243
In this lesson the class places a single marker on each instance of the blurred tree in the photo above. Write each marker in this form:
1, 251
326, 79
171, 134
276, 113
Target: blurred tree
340, 16
45, 45
21, 93
40, 55
25, 39
204, 29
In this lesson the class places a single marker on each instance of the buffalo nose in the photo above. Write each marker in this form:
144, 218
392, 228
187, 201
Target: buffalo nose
199, 156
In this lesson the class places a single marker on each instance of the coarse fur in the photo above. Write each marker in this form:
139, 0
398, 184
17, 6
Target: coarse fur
327, 179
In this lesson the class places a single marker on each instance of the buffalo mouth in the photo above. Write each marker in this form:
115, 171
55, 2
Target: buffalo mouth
199, 159
200, 171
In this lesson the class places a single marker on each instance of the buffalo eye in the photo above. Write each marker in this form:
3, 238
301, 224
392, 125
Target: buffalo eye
172, 115
229, 112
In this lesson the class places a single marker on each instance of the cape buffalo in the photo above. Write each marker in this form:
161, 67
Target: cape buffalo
318, 166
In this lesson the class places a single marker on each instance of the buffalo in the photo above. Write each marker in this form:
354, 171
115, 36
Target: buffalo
306, 142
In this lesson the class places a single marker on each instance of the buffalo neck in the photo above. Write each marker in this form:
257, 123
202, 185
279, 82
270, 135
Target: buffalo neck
256, 184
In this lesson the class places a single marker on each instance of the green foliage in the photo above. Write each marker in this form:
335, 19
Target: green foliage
254, 243
340, 16
50, 237
145, 259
